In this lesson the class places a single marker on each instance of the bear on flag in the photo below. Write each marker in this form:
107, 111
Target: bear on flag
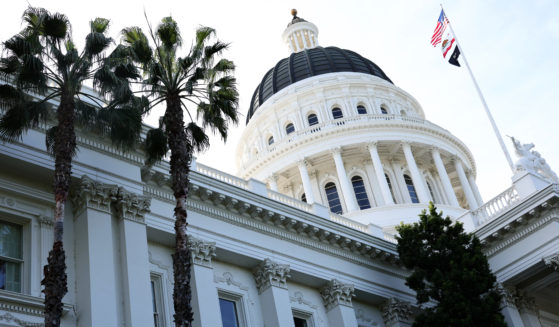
448, 44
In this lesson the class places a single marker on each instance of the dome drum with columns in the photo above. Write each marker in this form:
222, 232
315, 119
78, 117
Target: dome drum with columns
344, 136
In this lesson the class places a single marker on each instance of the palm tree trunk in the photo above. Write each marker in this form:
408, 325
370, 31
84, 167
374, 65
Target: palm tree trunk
181, 156
55, 281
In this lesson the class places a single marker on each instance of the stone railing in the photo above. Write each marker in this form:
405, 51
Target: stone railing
349, 222
289, 201
221, 176
495, 206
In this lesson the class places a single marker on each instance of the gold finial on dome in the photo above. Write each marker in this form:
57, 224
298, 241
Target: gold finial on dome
294, 12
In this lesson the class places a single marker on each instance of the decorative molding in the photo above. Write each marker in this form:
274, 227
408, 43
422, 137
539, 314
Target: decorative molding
336, 293
552, 261
8, 317
395, 311
363, 320
269, 273
94, 195
527, 304
131, 206
229, 279
202, 251
45, 221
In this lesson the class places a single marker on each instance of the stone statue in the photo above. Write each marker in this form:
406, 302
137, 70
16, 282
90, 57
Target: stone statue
531, 161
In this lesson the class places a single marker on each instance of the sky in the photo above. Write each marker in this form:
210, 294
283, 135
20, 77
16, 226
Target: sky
512, 47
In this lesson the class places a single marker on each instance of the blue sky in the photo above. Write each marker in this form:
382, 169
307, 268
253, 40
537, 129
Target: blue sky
512, 47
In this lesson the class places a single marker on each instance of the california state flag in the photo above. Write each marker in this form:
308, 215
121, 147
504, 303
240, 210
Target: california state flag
448, 44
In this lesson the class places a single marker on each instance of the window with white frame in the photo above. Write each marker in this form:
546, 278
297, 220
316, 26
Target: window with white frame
157, 300
11, 256
360, 192
411, 189
361, 110
231, 308
302, 319
333, 198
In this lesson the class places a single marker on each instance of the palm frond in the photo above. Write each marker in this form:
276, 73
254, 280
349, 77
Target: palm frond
20, 117
99, 25
138, 42
125, 123
169, 34
96, 42
198, 139
155, 146
56, 26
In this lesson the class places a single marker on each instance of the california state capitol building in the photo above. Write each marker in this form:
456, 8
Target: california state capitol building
333, 156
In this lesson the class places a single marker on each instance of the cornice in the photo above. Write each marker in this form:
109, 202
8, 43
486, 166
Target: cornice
552, 261
25, 304
252, 211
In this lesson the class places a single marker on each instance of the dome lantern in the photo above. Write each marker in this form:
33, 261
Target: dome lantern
300, 34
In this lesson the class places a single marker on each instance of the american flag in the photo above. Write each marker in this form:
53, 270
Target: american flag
442, 23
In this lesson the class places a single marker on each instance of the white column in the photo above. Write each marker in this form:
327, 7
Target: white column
528, 311
271, 281
447, 185
306, 181
134, 258
474, 188
337, 300
97, 289
379, 171
347, 189
397, 313
465, 185
273, 182
206, 307
509, 309
417, 179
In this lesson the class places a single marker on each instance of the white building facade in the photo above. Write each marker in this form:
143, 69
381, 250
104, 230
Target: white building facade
333, 156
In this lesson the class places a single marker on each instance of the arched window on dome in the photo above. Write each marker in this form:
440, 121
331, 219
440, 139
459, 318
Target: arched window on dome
360, 192
390, 186
383, 110
312, 119
411, 189
337, 113
270, 140
303, 197
403, 112
289, 128
333, 198
361, 110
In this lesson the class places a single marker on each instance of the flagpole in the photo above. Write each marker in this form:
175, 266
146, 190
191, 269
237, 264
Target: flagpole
495, 129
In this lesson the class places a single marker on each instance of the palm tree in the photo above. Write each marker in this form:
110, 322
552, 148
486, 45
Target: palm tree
42, 64
199, 85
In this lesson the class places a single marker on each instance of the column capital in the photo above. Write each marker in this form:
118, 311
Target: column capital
273, 177
337, 293
336, 150
508, 296
405, 144
526, 303
269, 273
202, 251
372, 145
45, 221
394, 311
435, 149
552, 261
92, 194
304, 162
131, 206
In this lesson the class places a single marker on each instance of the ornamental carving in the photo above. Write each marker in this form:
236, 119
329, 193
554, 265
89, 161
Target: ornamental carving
9, 318
395, 311
202, 251
132, 206
552, 261
526, 303
337, 293
94, 195
269, 273
508, 296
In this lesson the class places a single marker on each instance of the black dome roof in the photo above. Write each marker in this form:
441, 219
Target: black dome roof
308, 63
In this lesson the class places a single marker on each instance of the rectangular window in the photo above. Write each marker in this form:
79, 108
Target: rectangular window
229, 315
302, 319
157, 301
11, 257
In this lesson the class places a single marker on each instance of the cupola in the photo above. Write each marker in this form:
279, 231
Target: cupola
300, 34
